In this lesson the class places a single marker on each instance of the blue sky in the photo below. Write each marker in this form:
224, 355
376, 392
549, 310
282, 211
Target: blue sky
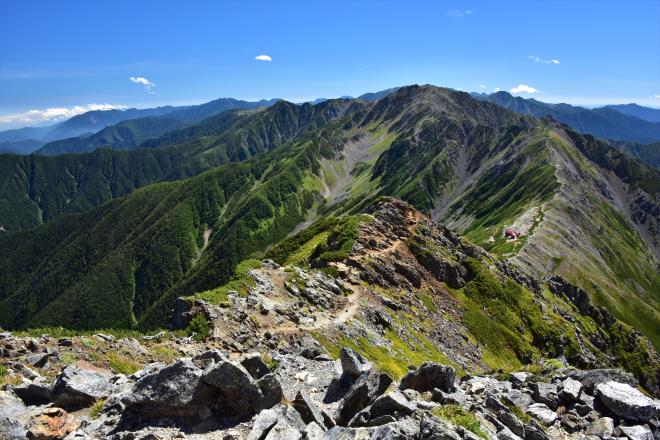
70, 56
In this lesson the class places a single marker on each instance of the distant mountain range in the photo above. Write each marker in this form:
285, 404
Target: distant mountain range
629, 122
86, 132
128, 129
16, 140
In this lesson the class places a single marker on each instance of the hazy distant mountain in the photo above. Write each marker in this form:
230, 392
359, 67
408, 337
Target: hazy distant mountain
26, 146
646, 113
605, 122
129, 133
83, 124
372, 96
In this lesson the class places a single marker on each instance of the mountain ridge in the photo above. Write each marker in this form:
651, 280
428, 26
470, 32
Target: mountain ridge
422, 143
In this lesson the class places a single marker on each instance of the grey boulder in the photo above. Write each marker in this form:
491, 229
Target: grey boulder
352, 363
637, 432
176, 390
428, 376
571, 390
361, 394
625, 401
542, 412
80, 384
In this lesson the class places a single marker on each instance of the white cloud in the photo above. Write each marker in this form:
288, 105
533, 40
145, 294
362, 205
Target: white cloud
148, 85
496, 89
54, 114
523, 88
263, 58
458, 13
481, 86
656, 96
544, 60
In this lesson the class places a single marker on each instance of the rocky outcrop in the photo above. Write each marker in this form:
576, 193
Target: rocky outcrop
627, 402
430, 376
52, 424
80, 384
214, 395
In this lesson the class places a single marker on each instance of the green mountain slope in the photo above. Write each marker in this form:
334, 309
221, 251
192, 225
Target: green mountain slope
578, 203
36, 189
647, 153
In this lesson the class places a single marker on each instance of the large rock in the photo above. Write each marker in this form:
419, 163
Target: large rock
309, 411
279, 422
637, 432
591, 378
341, 433
80, 384
176, 390
14, 417
518, 398
571, 390
543, 413
546, 393
433, 428
428, 376
392, 404
602, 427
404, 429
52, 424
361, 394
240, 391
626, 401
271, 389
255, 365
34, 393
352, 363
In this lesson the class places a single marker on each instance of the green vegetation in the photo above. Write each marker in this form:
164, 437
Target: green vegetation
511, 326
96, 408
400, 350
121, 364
198, 328
457, 415
240, 282
522, 415
330, 239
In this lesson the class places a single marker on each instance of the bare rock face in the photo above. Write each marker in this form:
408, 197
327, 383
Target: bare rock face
80, 384
352, 363
361, 394
176, 390
429, 376
52, 424
240, 391
14, 416
626, 401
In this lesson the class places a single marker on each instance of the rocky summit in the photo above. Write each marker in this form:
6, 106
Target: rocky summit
299, 392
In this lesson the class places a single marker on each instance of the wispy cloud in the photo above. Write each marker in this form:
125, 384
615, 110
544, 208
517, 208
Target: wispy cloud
481, 86
148, 85
497, 89
656, 96
523, 88
54, 114
263, 57
544, 60
458, 13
